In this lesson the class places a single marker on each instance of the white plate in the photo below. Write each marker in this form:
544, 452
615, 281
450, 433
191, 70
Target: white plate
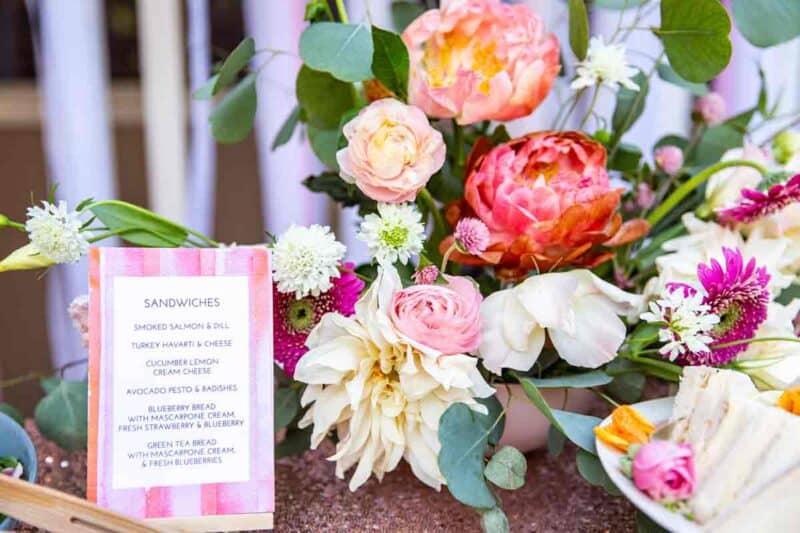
657, 412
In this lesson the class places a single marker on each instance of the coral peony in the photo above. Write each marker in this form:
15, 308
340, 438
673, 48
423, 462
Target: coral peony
446, 318
547, 202
665, 471
392, 151
479, 60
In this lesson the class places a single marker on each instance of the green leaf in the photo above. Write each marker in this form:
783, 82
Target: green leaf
390, 61
696, 37
555, 441
463, 438
287, 129
12, 412
626, 158
590, 468
49, 384
287, 405
495, 411
343, 50
446, 185
666, 73
323, 98
232, 120
618, 4
323, 143
595, 378
206, 91
627, 388
404, 13
789, 294
719, 139
146, 228
578, 28
234, 63
339, 190
62, 415
507, 468
767, 22
762, 94
643, 336
629, 107
673, 140
494, 521
644, 524
295, 442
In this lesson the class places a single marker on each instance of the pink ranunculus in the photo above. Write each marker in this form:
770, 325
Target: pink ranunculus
665, 471
445, 318
392, 151
479, 60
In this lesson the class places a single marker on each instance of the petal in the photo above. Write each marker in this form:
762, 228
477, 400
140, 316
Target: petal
597, 336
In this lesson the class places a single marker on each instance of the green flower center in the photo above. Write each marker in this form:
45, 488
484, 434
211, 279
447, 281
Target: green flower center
300, 315
727, 320
394, 236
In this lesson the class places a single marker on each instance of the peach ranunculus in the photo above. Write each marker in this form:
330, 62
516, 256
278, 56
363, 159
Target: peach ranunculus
392, 151
547, 202
446, 318
479, 60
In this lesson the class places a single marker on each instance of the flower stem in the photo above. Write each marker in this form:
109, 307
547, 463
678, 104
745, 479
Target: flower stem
671, 368
591, 106
342, 11
20, 380
458, 141
698, 179
605, 396
446, 256
753, 341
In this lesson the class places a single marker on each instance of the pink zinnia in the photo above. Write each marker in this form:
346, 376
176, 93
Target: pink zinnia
756, 204
294, 319
737, 293
473, 235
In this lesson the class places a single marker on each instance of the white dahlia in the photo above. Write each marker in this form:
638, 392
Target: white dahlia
304, 259
56, 232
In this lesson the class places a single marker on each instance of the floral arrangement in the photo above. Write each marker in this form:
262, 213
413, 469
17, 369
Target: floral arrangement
556, 258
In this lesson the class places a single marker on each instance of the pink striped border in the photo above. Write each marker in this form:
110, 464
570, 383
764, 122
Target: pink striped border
254, 496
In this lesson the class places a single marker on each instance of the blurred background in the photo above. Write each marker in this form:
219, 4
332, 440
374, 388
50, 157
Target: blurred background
95, 95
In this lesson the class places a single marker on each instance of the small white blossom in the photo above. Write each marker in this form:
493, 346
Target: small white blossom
688, 321
56, 232
394, 234
604, 63
305, 259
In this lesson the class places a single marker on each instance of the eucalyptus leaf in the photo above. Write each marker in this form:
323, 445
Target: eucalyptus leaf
287, 405
594, 378
49, 384
62, 415
555, 441
323, 98
495, 414
494, 521
12, 412
206, 91
666, 73
627, 388
719, 139
507, 468
578, 28
696, 37
767, 22
463, 438
390, 61
137, 225
287, 128
590, 468
343, 50
233, 64
233, 118
629, 106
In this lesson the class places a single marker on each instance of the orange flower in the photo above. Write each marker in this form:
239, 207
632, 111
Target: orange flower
627, 427
547, 202
790, 401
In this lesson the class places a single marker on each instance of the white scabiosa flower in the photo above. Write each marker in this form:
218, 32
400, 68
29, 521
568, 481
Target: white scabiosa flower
305, 259
56, 232
687, 320
604, 63
394, 234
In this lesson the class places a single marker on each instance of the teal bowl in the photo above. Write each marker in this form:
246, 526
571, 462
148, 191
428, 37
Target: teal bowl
16, 443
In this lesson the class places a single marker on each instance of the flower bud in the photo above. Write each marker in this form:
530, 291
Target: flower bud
25, 258
3, 221
669, 158
785, 145
711, 109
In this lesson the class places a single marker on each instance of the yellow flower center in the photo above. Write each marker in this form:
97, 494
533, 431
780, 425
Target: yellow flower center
459, 52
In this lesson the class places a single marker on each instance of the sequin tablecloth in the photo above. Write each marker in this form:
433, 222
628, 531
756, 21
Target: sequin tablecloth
310, 498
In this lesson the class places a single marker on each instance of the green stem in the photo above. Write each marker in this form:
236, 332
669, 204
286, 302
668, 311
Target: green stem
20, 380
753, 341
654, 363
591, 106
458, 141
446, 257
427, 199
681, 192
342, 11
605, 396
123, 231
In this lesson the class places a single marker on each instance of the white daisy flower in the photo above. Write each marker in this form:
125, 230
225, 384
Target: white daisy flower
304, 259
688, 321
604, 63
56, 232
394, 234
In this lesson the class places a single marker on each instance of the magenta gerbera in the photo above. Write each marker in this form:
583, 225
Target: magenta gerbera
756, 204
294, 318
737, 293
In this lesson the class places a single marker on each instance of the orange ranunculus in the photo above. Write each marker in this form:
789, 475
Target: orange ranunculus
627, 427
790, 401
547, 202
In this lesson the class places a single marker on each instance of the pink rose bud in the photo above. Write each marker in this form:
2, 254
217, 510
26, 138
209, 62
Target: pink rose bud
669, 158
426, 275
644, 196
665, 471
711, 108
445, 318
473, 235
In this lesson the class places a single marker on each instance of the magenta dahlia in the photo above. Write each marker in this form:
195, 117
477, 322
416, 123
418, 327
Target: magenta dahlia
293, 318
737, 293
756, 204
